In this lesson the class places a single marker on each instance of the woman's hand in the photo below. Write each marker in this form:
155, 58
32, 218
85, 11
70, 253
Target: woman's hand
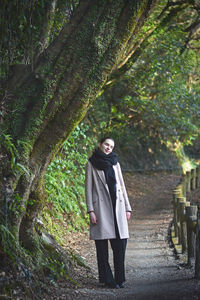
128, 215
93, 218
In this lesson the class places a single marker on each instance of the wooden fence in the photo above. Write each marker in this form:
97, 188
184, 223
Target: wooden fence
186, 222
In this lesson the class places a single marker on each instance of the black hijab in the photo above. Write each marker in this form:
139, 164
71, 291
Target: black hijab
105, 162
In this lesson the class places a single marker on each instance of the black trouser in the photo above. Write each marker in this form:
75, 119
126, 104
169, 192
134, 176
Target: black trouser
105, 274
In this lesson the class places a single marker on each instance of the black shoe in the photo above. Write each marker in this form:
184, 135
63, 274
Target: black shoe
112, 286
122, 285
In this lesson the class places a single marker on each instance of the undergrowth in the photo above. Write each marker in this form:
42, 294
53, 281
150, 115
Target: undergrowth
65, 186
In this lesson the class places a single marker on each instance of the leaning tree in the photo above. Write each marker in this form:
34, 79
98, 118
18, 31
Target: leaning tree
45, 96
43, 101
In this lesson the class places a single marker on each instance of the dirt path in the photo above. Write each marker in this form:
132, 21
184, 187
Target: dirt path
152, 270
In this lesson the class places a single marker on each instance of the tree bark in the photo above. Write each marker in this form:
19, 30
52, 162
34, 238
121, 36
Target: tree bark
47, 27
45, 104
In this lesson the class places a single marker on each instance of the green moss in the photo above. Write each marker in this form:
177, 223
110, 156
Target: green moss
11, 246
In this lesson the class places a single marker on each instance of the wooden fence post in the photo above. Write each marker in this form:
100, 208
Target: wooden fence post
184, 184
188, 181
183, 227
176, 193
178, 222
197, 256
198, 177
193, 179
191, 217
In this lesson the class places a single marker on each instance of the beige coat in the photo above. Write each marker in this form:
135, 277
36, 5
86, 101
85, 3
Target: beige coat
99, 200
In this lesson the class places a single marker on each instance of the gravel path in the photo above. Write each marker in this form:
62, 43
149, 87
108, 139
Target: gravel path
152, 269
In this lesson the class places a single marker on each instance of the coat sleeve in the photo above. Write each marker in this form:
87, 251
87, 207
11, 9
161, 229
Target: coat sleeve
127, 204
88, 187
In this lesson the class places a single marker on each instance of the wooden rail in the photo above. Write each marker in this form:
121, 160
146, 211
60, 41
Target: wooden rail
186, 222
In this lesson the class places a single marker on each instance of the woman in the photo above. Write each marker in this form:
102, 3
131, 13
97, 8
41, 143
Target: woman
109, 210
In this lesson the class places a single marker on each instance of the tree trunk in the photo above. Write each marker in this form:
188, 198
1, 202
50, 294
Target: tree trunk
45, 104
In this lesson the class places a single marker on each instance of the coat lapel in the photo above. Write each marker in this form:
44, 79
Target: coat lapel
102, 176
103, 179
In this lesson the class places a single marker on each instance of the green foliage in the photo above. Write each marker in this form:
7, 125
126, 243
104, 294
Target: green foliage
186, 162
55, 267
7, 240
13, 249
6, 142
156, 103
26, 26
65, 180
159, 95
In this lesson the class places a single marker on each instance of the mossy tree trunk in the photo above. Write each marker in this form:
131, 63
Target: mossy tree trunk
45, 102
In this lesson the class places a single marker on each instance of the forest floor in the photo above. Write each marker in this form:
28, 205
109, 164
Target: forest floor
153, 270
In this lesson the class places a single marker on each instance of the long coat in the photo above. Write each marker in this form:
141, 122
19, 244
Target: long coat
99, 200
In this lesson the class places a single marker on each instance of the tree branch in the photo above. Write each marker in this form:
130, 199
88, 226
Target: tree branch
131, 46
171, 4
143, 43
193, 30
46, 28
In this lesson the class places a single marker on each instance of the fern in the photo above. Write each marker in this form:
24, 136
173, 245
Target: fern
65, 182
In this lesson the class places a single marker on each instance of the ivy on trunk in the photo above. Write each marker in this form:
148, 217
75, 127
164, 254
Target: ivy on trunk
44, 102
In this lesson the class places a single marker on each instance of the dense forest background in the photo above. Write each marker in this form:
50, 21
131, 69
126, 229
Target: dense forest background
144, 93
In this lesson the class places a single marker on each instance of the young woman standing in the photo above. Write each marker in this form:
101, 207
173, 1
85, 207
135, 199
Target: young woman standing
109, 210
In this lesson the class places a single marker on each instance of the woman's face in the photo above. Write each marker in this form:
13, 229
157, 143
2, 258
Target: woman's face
107, 146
